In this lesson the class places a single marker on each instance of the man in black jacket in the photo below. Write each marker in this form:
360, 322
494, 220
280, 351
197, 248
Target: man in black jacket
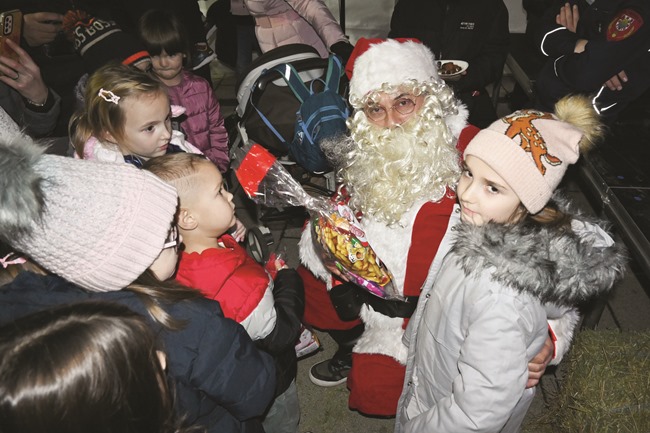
475, 31
596, 46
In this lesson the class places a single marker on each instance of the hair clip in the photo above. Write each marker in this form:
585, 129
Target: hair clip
109, 96
18, 261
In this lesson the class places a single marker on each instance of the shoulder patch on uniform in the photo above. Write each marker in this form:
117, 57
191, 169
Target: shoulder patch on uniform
624, 25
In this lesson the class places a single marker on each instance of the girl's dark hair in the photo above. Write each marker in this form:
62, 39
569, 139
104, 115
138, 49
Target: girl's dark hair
160, 30
86, 367
154, 294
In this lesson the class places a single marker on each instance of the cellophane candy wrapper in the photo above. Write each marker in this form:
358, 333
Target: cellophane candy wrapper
337, 234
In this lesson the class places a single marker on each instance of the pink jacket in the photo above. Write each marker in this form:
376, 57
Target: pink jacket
204, 125
282, 22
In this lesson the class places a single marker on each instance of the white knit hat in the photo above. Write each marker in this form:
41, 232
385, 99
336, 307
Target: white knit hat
99, 225
531, 150
392, 63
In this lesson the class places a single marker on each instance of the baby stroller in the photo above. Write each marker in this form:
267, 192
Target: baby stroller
266, 114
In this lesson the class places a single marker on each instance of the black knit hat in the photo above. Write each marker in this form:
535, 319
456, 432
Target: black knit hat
100, 41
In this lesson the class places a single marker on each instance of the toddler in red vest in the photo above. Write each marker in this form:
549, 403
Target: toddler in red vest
270, 308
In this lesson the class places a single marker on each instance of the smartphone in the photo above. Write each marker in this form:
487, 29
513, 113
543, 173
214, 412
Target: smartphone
10, 27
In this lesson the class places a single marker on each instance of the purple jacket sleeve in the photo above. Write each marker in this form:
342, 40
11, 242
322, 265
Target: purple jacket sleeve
321, 19
218, 151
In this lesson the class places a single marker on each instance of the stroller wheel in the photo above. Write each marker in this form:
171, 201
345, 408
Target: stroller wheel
258, 240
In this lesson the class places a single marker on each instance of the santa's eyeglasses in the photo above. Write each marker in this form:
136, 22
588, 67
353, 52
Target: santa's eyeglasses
377, 112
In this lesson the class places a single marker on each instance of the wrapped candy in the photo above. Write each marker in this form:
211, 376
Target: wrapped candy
337, 234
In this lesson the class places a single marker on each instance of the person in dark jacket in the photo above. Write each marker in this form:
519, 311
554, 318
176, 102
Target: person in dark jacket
475, 31
596, 47
108, 232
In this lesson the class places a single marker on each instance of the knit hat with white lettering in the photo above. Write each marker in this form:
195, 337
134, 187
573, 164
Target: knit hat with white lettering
100, 41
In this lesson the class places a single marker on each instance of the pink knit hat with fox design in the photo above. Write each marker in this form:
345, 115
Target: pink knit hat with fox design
531, 150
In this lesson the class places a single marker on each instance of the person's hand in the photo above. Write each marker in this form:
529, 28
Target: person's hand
581, 44
275, 264
280, 264
240, 231
23, 75
41, 27
537, 365
568, 17
616, 82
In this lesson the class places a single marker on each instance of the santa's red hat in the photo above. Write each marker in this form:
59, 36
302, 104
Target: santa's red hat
376, 62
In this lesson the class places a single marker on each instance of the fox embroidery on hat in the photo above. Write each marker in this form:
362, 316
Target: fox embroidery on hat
532, 141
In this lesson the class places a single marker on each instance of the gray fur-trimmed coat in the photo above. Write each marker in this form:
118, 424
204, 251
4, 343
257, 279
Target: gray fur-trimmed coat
485, 316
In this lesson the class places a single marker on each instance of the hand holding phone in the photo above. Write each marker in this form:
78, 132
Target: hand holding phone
10, 24
23, 75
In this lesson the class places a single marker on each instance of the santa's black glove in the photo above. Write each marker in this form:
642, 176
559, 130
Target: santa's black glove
343, 49
347, 299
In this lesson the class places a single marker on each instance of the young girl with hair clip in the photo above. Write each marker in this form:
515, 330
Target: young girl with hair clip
126, 117
519, 257
92, 366
165, 38
107, 232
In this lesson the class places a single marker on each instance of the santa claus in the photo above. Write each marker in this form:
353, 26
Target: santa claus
399, 166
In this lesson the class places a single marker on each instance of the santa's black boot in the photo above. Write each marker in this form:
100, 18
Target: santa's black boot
335, 371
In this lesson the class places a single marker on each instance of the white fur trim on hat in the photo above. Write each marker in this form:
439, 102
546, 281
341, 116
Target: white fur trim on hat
392, 63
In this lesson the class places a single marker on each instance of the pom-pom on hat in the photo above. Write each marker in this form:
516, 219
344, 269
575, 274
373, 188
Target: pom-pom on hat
98, 225
531, 150
393, 63
100, 41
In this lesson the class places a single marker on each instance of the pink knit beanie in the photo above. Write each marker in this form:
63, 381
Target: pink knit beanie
531, 151
98, 225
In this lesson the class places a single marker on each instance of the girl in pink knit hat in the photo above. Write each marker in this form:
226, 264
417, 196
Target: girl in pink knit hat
519, 258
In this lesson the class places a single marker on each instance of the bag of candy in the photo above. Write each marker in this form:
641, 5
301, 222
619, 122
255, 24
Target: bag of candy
337, 234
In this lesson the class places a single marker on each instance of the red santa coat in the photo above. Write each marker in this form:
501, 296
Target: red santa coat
409, 250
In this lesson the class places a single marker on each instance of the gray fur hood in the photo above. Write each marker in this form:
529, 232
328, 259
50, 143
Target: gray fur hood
560, 266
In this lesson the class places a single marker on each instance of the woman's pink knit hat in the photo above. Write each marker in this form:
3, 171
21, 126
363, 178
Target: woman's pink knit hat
99, 225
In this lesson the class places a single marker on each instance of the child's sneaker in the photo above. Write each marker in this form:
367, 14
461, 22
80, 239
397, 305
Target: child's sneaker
202, 55
307, 343
330, 372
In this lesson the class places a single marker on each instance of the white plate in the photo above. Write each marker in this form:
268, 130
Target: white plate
463, 67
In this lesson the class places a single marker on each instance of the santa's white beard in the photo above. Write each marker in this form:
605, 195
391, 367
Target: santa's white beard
388, 170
